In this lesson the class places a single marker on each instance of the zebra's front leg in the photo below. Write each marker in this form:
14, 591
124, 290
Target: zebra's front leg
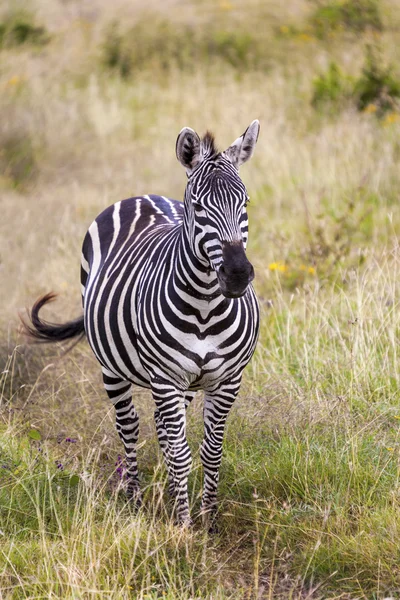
163, 441
216, 409
127, 425
171, 430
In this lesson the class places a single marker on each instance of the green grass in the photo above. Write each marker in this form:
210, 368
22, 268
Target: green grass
299, 498
18, 28
351, 15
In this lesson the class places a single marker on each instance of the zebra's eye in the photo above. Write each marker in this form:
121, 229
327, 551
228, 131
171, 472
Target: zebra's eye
247, 201
198, 207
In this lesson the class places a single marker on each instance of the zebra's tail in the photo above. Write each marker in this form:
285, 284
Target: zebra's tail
43, 331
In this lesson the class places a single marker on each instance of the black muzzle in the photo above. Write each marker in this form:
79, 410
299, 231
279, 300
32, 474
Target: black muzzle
236, 272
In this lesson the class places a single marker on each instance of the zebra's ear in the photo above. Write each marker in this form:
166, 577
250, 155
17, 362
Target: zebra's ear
242, 148
188, 148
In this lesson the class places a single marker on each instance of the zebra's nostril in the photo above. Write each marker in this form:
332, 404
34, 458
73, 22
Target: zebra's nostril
229, 272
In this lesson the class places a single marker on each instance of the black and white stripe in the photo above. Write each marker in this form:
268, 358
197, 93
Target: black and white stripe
168, 305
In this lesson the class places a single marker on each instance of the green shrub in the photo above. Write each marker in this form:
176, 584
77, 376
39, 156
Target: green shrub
166, 45
377, 84
350, 15
19, 28
232, 47
331, 87
114, 55
17, 158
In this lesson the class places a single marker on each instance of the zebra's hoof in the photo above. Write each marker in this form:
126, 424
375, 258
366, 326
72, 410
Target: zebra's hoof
135, 498
184, 523
213, 528
209, 519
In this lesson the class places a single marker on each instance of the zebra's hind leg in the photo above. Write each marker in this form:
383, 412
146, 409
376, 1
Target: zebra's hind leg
127, 425
163, 441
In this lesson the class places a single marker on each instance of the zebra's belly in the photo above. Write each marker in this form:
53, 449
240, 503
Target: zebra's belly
121, 359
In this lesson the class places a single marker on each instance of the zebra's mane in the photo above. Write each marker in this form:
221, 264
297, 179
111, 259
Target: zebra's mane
208, 144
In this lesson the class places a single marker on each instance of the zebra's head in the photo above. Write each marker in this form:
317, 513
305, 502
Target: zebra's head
215, 205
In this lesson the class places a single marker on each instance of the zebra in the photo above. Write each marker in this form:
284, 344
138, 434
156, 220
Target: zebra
168, 305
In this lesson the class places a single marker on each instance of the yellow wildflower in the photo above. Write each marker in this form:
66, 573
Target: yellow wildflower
284, 29
15, 80
390, 118
397, 416
371, 108
304, 37
278, 266
310, 270
225, 5
389, 448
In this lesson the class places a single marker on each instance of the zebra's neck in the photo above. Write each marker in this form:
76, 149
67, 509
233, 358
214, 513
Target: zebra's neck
192, 275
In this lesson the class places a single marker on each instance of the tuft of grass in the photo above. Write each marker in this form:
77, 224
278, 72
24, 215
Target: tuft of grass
19, 28
333, 16
18, 162
378, 85
332, 88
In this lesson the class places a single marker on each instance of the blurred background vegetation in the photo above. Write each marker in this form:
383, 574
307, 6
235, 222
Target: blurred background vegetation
93, 95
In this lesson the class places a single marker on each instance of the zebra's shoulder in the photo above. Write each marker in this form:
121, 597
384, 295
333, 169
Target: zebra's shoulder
136, 213
171, 210
157, 209
145, 205
126, 218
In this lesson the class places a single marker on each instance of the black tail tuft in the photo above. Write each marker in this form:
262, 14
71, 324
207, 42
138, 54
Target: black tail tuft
42, 331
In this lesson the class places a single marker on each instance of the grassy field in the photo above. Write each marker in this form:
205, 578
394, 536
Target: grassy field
93, 95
